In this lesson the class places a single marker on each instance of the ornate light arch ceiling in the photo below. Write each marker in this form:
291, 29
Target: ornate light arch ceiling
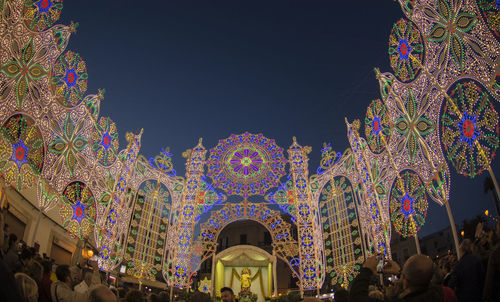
246, 164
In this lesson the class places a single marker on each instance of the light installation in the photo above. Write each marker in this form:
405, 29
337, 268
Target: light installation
246, 164
408, 204
23, 151
148, 230
469, 127
78, 211
69, 79
343, 246
284, 244
445, 58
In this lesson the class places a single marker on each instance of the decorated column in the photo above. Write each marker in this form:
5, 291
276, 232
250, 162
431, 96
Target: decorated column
310, 269
180, 270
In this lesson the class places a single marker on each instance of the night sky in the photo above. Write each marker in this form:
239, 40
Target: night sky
189, 69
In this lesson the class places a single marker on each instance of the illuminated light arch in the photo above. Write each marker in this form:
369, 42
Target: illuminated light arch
285, 246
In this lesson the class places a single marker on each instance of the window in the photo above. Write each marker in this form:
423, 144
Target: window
243, 239
267, 238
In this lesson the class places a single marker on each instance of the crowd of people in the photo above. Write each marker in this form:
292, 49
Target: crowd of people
475, 276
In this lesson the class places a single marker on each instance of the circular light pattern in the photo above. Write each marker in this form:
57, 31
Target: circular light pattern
42, 14
78, 210
377, 126
105, 141
469, 128
408, 203
21, 144
406, 50
246, 164
490, 10
69, 79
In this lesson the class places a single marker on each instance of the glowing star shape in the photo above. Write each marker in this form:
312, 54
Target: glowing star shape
105, 253
112, 216
205, 285
249, 160
407, 205
78, 212
469, 129
404, 49
19, 155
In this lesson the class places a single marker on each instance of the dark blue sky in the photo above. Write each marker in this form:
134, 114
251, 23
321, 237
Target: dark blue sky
188, 69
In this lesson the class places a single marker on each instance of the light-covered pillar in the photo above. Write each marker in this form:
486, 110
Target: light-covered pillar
309, 243
181, 270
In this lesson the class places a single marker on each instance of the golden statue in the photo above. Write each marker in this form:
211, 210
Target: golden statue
246, 280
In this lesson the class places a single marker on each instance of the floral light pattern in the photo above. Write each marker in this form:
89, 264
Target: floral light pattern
406, 50
78, 209
413, 125
377, 126
69, 79
105, 141
41, 14
22, 151
25, 70
469, 128
408, 203
68, 144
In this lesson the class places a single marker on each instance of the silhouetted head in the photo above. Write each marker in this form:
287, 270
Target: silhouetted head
417, 271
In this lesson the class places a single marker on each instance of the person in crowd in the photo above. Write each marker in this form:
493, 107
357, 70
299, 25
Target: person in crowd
84, 286
8, 287
437, 279
44, 288
114, 290
416, 280
11, 255
62, 289
152, 297
122, 291
101, 293
35, 271
201, 297
341, 295
164, 296
134, 296
27, 287
468, 275
491, 291
26, 258
227, 294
